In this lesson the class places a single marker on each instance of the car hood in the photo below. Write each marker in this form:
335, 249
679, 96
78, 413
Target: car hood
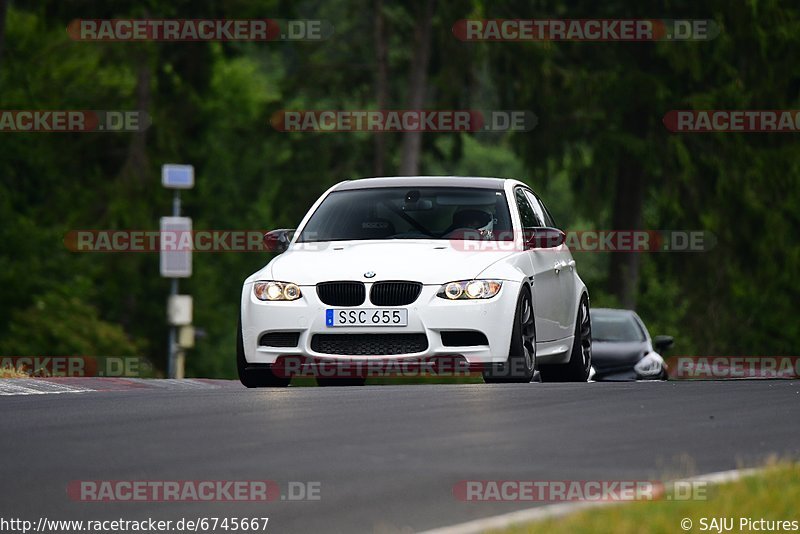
429, 262
614, 355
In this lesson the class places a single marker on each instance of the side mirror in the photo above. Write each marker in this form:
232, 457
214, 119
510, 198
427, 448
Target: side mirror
544, 237
278, 240
662, 343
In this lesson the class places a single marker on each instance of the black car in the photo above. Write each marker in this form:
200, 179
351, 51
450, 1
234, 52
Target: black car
622, 348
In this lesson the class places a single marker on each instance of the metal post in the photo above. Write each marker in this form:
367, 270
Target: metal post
176, 203
173, 335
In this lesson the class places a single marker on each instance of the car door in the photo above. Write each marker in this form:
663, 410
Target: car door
546, 291
563, 268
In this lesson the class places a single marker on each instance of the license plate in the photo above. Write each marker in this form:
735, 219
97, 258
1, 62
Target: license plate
366, 317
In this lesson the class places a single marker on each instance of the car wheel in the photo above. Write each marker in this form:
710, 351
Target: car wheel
255, 377
580, 361
328, 382
521, 362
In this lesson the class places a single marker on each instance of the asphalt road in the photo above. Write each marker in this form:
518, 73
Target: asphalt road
386, 457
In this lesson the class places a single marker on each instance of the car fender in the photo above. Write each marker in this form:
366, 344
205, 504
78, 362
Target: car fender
512, 267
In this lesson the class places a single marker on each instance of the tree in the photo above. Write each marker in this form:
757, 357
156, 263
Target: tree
418, 84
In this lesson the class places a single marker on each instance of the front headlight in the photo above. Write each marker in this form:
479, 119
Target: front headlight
470, 289
650, 365
276, 291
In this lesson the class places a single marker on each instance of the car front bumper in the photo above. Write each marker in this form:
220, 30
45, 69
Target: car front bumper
625, 375
428, 315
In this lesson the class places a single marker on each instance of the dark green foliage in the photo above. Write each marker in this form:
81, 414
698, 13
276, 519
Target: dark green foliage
599, 106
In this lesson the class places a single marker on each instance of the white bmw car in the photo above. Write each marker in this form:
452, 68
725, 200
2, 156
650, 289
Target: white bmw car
403, 269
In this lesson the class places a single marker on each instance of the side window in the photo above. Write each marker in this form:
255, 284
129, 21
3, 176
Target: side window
537, 208
541, 210
526, 214
547, 217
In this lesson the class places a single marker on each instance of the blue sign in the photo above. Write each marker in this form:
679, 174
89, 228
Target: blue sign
177, 176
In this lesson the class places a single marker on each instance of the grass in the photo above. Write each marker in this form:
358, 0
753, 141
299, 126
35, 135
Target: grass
10, 372
771, 495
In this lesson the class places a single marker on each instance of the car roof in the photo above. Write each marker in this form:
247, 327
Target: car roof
422, 181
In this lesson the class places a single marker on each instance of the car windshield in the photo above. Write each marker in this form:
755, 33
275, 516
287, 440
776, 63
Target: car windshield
615, 327
410, 213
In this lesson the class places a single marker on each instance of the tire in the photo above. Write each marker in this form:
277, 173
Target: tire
255, 377
328, 382
580, 360
521, 362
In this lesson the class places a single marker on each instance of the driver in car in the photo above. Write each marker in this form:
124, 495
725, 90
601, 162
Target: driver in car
471, 219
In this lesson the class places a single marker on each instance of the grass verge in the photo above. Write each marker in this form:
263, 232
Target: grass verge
772, 495
10, 372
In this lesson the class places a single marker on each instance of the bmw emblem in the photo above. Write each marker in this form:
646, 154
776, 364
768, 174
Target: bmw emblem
369, 274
